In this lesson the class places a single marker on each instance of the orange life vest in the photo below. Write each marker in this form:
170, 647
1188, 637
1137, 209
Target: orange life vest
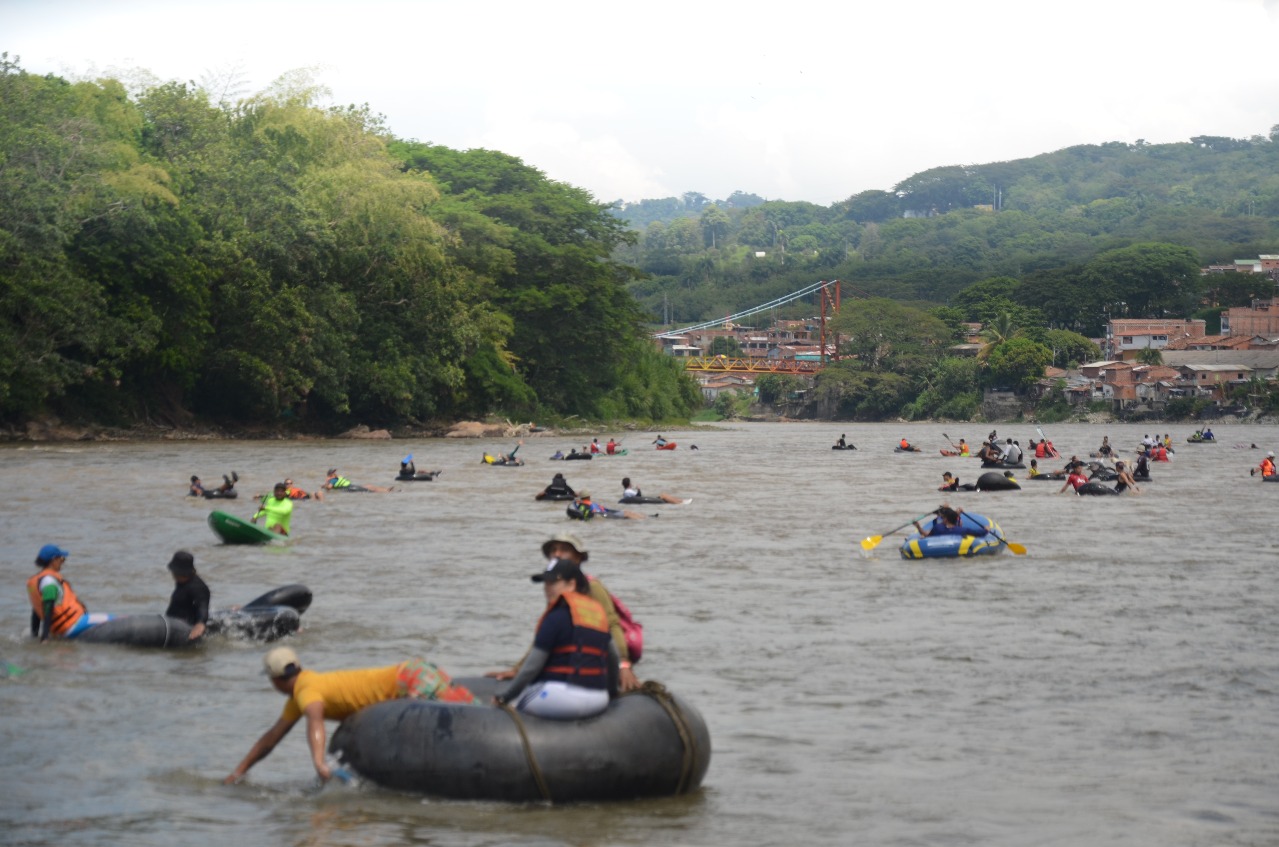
1267, 467
584, 660
67, 611
905, 444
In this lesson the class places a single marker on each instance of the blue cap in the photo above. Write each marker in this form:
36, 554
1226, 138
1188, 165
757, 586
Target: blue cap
408, 458
49, 552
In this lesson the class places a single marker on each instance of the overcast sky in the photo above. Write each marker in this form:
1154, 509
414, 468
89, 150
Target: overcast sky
801, 100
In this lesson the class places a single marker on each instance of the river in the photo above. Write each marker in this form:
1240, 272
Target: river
1119, 683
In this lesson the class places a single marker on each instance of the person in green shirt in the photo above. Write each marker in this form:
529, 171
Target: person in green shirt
278, 509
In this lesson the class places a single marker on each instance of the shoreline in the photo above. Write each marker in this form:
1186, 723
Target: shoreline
53, 430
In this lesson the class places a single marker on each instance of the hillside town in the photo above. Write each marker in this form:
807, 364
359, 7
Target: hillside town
1190, 362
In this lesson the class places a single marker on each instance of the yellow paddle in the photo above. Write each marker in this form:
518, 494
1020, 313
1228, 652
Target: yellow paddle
1017, 549
872, 541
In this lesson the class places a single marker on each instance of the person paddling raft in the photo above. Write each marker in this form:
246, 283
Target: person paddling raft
278, 509
949, 522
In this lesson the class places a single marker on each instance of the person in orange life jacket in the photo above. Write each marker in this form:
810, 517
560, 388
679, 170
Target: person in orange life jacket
1267, 466
595, 445
295, 493
336, 695
55, 609
568, 547
611, 447
904, 444
190, 599
572, 670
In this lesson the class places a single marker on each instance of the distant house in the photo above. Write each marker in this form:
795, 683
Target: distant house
1261, 318
1126, 336
713, 385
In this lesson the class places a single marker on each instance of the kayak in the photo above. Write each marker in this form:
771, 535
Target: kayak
956, 546
670, 445
649, 743
621, 452
233, 530
945, 452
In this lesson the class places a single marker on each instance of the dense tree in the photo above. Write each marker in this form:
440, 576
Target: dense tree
1147, 280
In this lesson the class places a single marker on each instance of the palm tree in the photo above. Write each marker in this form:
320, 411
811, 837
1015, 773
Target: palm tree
1002, 328
1150, 356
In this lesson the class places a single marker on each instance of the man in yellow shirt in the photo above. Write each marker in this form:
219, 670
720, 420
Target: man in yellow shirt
336, 695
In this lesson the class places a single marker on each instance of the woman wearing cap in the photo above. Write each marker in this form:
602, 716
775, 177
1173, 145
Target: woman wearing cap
566, 545
278, 509
55, 609
190, 599
336, 695
571, 672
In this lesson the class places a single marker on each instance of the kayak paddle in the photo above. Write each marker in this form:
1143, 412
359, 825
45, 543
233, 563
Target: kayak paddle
1017, 549
872, 541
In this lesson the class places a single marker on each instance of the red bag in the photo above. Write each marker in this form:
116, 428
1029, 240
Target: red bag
632, 629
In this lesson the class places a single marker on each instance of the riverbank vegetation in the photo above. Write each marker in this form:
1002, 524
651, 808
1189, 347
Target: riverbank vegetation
169, 255
164, 256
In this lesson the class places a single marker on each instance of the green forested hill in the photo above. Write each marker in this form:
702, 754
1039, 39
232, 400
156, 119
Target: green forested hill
1037, 220
162, 255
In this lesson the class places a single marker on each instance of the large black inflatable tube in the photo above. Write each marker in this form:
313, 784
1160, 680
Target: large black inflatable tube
636, 748
555, 497
1005, 465
420, 476
1094, 487
140, 631
991, 481
215, 494
641, 499
273, 615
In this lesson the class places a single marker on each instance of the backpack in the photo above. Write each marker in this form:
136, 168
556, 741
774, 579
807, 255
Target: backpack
631, 628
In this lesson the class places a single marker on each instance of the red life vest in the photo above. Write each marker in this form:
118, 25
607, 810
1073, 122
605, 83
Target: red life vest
584, 659
1041, 450
66, 612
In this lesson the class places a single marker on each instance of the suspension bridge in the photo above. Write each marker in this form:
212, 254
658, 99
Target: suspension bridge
827, 293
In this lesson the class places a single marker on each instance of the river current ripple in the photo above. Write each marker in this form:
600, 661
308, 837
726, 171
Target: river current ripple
1117, 684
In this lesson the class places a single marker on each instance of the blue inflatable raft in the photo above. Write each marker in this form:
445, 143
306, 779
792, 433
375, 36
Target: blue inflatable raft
957, 546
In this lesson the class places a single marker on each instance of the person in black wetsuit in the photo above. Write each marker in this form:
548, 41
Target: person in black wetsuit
190, 599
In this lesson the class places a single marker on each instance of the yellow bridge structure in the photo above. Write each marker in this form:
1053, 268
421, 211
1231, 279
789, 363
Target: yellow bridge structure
741, 364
